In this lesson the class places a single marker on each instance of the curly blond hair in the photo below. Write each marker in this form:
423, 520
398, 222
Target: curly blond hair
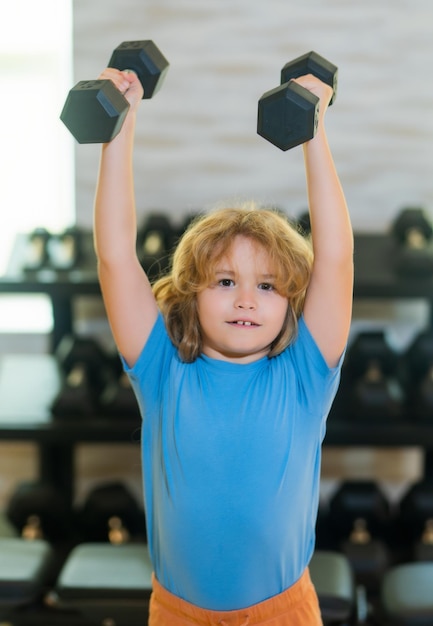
204, 243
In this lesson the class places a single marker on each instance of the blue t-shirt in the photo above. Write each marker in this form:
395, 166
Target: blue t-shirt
231, 468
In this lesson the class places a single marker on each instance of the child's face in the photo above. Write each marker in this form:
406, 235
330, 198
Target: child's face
240, 313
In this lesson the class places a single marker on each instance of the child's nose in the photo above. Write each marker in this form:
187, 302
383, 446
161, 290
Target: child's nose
245, 299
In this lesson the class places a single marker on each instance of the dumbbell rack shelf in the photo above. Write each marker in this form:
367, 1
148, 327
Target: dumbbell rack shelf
28, 385
26, 415
60, 286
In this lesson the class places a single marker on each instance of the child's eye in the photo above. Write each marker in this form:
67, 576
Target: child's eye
226, 282
266, 286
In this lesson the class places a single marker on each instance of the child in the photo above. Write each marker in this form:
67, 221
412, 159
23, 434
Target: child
235, 360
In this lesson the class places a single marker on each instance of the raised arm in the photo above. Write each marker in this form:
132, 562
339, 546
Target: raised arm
328, 304
127, 294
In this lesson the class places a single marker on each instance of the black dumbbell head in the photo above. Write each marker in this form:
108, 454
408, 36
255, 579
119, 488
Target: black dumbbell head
84, 354
73, 350
143, 58
303, 223
370, 347
287, 115
412, 219
108, 501
312, 63
156, 235
413, 234
64, 249
359, 499
416, 506
94, 111
41, 501
419, 355
36, 254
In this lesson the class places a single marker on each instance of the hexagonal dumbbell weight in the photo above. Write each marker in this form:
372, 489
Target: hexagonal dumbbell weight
85, 368
413, 232
372, 379
111, 513
39, 511
288, 114
361, 517
416, 520
95, 110
418, 376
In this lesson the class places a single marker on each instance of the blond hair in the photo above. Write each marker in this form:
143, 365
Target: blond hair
204, 243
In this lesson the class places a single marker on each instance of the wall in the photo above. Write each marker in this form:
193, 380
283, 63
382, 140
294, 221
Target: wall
197, 141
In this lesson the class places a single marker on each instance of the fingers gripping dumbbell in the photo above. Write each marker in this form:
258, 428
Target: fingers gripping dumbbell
288, 114
95, 110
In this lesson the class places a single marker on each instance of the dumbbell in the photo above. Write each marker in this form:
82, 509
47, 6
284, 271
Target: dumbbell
360, 516
85, 368
371, 378
36, 252
118, 398
64, 249
95, 110
413, 232
53, 251
416, 518
303, 223
39, 511
288, 114
155, 241
325, 539
418, 376
110, 513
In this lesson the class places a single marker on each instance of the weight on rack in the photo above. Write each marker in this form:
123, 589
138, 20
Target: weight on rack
36, 253
118, 398
416, 517
110, 513
53, 251
95, 110
84, 365
303, 223
371, 378
155, 242
360, 516
413, 232
288, 114
418, 370
39, 511
65, 249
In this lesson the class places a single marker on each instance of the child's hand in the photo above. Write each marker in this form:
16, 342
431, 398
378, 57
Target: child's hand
127, 83
318, 88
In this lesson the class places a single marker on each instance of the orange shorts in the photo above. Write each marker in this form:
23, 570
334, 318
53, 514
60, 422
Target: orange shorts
297, 606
